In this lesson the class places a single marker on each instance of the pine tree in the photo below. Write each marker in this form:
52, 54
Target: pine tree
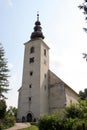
3, 74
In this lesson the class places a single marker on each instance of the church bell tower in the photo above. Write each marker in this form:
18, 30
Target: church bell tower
33, 94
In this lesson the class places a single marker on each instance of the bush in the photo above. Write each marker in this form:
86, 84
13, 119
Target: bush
55, 122
74, 124
8, 121
50, 122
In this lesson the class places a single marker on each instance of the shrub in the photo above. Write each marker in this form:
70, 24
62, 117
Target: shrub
8, 121
50, 122
74, 124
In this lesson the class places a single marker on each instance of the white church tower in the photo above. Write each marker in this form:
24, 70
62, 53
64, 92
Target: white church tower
33, 94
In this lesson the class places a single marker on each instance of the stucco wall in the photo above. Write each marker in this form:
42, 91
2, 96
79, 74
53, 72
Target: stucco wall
56, 93
71, 96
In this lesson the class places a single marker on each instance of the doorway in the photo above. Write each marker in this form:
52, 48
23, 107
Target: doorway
29, 117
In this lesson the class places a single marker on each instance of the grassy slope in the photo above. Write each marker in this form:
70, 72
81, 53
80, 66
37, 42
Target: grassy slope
31, 128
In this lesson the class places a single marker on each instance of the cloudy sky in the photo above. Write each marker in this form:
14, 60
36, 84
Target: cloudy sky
62, 24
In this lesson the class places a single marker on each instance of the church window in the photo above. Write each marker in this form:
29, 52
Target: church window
44, 52
32, 49
31, 60
31, 73
29, 98
30, 85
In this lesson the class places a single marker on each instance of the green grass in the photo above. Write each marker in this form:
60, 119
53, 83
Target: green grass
32, 127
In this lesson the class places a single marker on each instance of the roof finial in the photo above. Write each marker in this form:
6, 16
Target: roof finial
37, 29
37, 15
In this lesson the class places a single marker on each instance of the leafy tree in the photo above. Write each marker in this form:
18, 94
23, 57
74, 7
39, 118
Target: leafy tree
83, 6
77, 111
3, 74
83, 109
12, 111
83, 94
72, 112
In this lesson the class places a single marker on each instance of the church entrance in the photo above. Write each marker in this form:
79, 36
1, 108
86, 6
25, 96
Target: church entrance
29, 117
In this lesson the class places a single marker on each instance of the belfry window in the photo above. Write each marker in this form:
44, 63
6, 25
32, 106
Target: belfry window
44, 52
32, 49
31, 73
31, 60
30, 85
29, 98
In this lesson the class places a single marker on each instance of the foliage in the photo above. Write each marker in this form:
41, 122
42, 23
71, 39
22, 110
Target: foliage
72, 111
12, 111
51, 122
83, 109
2, 108
9, 118
74, 117
3, 74
8, 121
74, 124
83, 6
83, 94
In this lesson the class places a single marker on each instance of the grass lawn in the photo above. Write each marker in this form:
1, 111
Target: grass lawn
32, 127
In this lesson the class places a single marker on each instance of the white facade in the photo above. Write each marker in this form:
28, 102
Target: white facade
33, 95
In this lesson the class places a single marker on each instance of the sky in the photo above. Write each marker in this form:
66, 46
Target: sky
62, 25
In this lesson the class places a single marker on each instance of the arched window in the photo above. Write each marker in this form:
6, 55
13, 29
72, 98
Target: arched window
32, 49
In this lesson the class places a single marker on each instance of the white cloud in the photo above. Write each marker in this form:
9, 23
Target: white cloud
70, 67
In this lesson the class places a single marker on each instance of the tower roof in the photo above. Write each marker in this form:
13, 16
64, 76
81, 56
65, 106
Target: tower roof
37, 30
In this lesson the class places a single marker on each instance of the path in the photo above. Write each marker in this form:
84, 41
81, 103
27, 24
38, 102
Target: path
19, 126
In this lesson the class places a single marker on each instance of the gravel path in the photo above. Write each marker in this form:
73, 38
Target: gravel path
19, 126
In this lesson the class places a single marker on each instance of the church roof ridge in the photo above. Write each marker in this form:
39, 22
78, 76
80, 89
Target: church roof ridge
66, 85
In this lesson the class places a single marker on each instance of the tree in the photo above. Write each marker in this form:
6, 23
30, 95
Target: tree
83, 94
12, 111
3, 74
72, 111
84, 6
2, 108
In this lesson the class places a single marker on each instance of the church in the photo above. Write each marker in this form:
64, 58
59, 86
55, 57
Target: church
42, 91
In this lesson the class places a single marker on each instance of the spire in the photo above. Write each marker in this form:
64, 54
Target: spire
37, 16
37, 30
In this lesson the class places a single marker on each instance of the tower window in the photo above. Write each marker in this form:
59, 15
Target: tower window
31, 60
44, 75
30, 85
44, 52
29, 98
32, 49
31, 73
